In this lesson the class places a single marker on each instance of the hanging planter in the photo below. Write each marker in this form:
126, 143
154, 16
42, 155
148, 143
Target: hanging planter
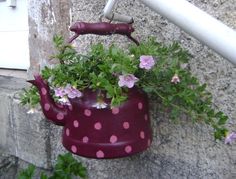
93, 129
94, 125
101, 97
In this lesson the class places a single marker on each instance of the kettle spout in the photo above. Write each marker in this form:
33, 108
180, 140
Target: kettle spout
51, 110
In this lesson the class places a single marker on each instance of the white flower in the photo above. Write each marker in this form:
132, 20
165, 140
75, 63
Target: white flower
175, 79
100, 104
50, 79
32, 111
64, 100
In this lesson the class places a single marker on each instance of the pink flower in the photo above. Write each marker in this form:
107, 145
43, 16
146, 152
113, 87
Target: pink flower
175, 79
230, 138
59, 92
72, 92
146, 62
127, 80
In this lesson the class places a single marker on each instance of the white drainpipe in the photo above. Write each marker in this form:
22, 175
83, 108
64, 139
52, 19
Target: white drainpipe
194, 21
107, 12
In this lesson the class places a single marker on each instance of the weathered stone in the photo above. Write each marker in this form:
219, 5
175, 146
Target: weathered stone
22, 135
11, 167
46, 19
8, 86
8, 166
5, 113
31, 132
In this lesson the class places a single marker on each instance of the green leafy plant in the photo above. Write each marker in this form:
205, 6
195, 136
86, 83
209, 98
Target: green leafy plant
30, 96
66, 167
151, 66
27, 173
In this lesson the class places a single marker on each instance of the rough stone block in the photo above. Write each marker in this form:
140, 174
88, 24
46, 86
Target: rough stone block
5, 115
23, 135
31, 132
8, 166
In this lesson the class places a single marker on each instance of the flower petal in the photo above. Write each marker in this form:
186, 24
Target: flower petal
146, 62
127, 80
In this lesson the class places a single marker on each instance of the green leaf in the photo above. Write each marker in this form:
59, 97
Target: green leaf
220, 133
222, 120
30, 96
43, 176
27, 173
175, 114
67, 166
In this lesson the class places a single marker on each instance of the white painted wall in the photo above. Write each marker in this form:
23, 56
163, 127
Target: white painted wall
14, 30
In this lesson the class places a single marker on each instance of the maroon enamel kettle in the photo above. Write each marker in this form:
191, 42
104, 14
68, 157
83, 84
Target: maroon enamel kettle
99, 133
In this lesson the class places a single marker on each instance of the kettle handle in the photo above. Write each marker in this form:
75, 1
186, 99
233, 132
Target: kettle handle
102, 28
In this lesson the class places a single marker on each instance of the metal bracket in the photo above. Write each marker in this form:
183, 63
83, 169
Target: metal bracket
108, 13
192, 20
12, 3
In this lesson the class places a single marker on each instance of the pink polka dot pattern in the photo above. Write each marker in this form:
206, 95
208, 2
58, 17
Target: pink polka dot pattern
128, 149
45, 82
98, 126
113, 139
73, 148
43, 91
115, 110
100, 154
87, 112
142, 135
60, 116
76, 123
70, 108
126, 125
60, 106
85, 139
67, 132
47, 107
140, 106
145, 117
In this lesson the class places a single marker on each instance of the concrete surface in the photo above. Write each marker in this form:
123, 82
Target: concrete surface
22, 135
13, 73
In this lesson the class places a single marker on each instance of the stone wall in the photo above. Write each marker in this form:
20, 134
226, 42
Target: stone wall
178, 151
22, 135
184, 150
25, 135
46, 18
